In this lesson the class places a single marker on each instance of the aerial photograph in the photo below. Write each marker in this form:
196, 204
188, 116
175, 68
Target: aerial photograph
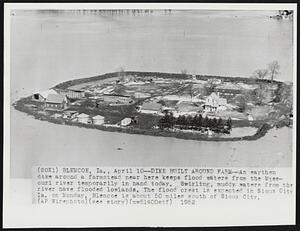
144, 87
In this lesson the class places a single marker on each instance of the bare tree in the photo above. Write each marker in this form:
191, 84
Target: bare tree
273, 69
260, 74
121, 72
184, 71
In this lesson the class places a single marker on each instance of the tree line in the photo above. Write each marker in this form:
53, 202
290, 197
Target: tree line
196, 122
272, 71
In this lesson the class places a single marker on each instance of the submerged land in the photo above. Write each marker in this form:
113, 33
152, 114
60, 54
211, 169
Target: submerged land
198, 107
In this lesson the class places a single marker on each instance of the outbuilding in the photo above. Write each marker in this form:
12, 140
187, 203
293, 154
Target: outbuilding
42, 96
98, 120
151, 108
83, 118
250, 117
126, 121
56, 102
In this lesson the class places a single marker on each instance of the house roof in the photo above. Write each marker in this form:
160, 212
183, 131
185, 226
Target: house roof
45, 94
82, 115
151, 106
55, 98
98, 117
213, 96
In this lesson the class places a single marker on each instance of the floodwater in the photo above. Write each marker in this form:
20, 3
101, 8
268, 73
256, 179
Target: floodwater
48, 48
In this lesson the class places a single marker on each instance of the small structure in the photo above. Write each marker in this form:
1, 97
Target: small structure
141, 95
56, 102
70, 114
98, 120
250, 117
126, 121
213, 102
42, 96
70, 93
56, 116
151, 108
84, 118
228, 90
116, 99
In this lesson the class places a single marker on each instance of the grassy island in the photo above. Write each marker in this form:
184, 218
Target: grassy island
197, 107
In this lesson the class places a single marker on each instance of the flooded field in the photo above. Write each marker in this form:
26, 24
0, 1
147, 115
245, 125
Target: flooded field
47, 49
44, 143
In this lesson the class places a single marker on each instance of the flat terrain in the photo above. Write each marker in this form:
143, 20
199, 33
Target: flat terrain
249, 103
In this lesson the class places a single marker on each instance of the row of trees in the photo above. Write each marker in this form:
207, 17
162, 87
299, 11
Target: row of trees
272, 71
196, 122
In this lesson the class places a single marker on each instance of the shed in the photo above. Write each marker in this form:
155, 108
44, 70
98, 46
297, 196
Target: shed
84, 118
250, 117
98, 120
126, 121
151, 107
42, 96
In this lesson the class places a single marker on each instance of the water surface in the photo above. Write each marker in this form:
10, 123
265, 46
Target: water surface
47, 49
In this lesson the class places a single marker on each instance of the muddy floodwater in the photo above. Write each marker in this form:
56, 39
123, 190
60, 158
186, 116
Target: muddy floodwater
44, 143
47, 49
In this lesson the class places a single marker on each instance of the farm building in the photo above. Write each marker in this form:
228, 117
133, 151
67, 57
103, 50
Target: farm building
98, 120
56, 115
151, 108
141, 95
70, 114
55, 102
228, 90
250, 117
126, 121
213, 102
71, 94
84, 118
116, 99
42, 96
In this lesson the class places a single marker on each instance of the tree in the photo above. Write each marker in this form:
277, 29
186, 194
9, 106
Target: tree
214, 123
189, 120
194, 121
199, 121
220, 122
241, 102
184, 71
205, 122
121, 72
260, 73
167, 121
181, 120
229, 124
273, 69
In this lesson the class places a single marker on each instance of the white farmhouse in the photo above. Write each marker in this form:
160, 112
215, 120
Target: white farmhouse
213, 102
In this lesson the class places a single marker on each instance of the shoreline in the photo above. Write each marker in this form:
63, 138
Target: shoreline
261, 131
